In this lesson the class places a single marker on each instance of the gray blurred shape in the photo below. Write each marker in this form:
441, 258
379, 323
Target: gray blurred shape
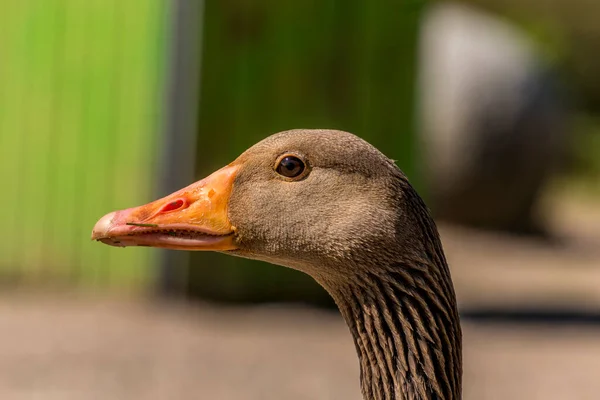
492, 119
178, 147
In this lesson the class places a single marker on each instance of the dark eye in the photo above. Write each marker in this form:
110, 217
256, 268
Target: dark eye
290, 167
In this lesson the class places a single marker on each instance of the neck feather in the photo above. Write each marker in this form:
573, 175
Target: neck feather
407, 337
403, 317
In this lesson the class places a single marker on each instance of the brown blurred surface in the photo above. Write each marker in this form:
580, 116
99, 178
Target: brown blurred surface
64, 346
495, 270
58, 347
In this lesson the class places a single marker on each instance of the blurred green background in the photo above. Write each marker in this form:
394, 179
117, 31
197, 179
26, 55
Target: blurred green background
79, 110
91, 93
82, 111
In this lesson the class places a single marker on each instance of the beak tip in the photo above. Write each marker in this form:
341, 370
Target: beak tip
103, 226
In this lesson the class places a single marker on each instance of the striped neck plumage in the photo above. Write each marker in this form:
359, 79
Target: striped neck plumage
407, 334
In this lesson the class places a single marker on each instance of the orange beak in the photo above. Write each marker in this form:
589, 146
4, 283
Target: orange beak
193, 218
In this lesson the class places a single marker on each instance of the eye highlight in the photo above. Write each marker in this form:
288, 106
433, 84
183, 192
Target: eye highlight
290, 166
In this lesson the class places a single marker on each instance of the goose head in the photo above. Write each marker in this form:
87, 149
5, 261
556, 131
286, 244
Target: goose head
331, 205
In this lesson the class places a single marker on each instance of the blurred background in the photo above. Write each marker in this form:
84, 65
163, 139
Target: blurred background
491, 107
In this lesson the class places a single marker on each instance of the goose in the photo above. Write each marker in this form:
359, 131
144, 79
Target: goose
331, 205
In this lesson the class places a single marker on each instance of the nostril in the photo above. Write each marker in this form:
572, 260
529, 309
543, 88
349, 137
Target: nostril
174, 205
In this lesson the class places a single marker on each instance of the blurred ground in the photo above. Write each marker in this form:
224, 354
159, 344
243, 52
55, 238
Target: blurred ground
56, 348
492, 270
84, 347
